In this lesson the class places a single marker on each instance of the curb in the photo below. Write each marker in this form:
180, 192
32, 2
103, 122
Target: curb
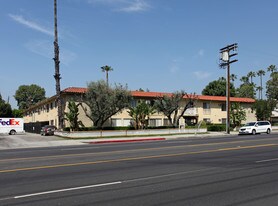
126, 140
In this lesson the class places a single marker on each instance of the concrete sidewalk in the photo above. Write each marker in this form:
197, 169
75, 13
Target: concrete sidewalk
30, 140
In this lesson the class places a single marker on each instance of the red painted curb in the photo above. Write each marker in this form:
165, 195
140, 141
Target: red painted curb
128, 140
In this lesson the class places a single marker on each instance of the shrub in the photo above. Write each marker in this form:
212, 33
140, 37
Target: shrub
216, 127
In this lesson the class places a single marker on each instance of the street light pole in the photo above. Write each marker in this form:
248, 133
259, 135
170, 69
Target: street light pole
225, 62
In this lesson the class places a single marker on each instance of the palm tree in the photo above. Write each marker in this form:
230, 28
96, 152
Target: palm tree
244, 79
251, 75
272, 69
106, 69
259, 89
57, 75
260, 74
233, 77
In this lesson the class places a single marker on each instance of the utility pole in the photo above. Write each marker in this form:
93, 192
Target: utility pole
57, 75
225, 62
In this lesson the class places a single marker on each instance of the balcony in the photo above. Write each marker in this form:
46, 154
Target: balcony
191, 112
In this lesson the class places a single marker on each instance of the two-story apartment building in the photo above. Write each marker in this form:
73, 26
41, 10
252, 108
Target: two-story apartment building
207, 108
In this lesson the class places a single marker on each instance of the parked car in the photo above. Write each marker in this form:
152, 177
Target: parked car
256, 127
48, 130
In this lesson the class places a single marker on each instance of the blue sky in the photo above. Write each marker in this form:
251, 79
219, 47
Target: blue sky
160, 45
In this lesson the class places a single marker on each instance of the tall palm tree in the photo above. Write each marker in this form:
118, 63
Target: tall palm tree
251, 75
272, 69
260, 74
106, 69
57, 75
259, 89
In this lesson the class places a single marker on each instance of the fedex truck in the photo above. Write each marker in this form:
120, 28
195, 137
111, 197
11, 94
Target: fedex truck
11, 125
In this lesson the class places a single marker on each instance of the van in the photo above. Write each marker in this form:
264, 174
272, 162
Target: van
256, 127
11, 126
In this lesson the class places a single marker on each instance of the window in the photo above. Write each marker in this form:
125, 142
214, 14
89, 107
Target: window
223, 107
155, 122
206, 108
127, 122
133, 103
206, 105
207, 120
224, 120
166, 122
116, 122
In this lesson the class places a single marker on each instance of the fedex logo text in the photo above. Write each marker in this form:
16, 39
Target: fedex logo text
10, 122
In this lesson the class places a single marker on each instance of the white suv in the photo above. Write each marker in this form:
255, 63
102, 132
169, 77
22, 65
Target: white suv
256, 127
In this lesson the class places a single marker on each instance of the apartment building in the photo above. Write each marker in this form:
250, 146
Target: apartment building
207, 108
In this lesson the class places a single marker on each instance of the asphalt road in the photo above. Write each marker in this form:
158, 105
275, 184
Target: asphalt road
234, 170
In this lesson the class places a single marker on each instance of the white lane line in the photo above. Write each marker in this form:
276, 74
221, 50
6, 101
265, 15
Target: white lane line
66, 190
106, 184
269, 160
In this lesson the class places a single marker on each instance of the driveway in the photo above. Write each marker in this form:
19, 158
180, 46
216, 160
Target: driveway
32, 140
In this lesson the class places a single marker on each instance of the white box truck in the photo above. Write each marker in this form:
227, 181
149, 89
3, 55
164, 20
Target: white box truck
11, 125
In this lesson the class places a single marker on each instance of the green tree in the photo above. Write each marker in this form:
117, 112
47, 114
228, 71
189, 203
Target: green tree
272, 69
237, 114
28, 95
72, 116
246, 90
272, 87
264, 109
5, 108
17, 113
218, 88
260, 74
104, 101
141, 114
170, 105
244, 79
106, 69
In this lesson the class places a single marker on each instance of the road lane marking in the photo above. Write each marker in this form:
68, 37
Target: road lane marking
67, 189
134, 158
104, 184
125, 151
268, 160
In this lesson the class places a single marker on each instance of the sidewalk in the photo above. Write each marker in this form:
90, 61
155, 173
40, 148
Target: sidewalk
30, 140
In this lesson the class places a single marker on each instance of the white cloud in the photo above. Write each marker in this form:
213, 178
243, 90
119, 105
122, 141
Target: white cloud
31, 24
136, 6
201, 75
124, 5
45, 48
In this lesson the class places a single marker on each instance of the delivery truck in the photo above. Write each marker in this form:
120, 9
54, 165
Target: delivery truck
11, 126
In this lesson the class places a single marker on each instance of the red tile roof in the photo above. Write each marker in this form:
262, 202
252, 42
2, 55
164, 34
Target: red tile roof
160, 94
74, 90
